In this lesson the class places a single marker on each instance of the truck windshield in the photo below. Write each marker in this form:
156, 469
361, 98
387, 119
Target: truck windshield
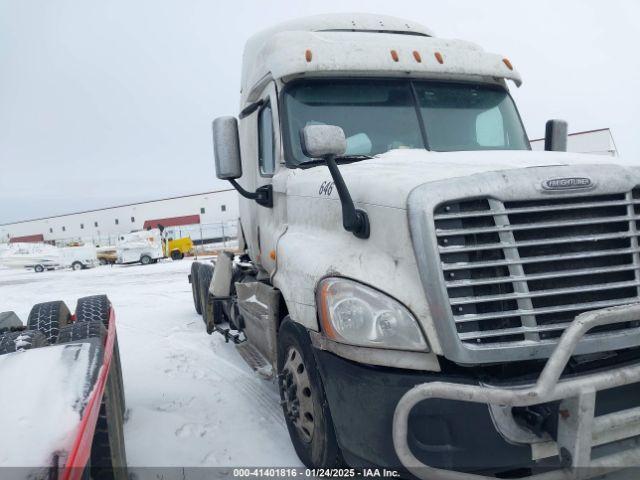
382, 115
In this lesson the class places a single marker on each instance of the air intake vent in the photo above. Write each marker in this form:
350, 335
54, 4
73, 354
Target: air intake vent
520, 271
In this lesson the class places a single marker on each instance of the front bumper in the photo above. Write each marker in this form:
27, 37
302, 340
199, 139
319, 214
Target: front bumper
441, 425
579, 427
362, 400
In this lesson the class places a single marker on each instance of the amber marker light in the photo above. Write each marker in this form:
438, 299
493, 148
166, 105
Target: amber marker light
327, 327
308, 55
272, 254
417, 56
394, 55
507, 63
439, 58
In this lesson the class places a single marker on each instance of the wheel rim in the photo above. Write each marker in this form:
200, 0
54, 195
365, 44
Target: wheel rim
77, 266
145, 260
296, 390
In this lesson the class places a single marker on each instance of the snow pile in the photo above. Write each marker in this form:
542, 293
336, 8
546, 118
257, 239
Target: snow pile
42, 390
191, 400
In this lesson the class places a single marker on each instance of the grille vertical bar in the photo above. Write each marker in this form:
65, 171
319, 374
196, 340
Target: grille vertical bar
516, 270
633, 226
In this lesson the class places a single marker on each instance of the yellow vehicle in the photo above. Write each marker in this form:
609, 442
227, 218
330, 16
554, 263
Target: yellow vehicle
178, 248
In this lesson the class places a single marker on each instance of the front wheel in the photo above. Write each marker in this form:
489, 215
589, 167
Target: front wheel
304, 402
145, 259
76, 266
39, 268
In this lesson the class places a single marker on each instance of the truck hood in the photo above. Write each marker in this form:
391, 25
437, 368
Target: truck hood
387, 179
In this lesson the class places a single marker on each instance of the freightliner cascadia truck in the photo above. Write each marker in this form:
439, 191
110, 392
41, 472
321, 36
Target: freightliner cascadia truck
429, 293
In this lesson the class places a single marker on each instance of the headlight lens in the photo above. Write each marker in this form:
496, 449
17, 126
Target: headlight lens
359, 315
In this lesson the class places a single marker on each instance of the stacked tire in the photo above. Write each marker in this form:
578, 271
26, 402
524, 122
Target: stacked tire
51, 323
205, 274
200, 278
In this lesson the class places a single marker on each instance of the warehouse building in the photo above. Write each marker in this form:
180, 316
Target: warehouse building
596, 142
205, 217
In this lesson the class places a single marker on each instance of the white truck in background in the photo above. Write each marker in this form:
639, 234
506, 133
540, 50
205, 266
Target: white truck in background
431, 295
79, 257
143, 247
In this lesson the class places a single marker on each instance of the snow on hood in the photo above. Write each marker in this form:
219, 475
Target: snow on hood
388, 178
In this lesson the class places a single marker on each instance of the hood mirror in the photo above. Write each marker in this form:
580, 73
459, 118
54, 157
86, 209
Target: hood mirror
556, 136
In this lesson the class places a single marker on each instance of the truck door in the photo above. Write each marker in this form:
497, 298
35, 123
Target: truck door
270, 170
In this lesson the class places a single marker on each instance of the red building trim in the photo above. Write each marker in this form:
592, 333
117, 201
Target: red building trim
172, 221
28, 239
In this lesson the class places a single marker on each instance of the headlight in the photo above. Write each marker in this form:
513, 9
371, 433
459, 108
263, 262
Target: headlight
359, 315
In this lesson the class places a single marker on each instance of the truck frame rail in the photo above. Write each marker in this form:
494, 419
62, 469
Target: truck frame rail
577, 425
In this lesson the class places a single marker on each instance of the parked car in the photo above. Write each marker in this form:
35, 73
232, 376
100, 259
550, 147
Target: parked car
107, 255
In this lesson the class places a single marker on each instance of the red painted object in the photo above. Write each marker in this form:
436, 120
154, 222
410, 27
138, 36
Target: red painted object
81, 449
172, 221
28, 239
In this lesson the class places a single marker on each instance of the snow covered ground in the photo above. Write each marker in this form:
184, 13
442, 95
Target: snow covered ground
192, 401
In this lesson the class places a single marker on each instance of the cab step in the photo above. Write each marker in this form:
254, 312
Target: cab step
255, 360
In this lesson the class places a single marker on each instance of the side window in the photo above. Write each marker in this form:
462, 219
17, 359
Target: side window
266, 154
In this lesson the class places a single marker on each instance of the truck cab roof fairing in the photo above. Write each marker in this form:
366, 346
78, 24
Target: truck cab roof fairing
281, 52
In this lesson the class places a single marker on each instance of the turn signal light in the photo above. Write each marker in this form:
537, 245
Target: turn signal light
417, 56
507, 63
439, 58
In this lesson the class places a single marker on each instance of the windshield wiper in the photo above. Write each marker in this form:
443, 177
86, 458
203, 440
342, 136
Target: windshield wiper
343, 159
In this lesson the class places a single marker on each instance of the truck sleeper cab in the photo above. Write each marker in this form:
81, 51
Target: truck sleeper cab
410, 266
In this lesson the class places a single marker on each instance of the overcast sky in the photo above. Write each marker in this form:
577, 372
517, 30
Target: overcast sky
107, 102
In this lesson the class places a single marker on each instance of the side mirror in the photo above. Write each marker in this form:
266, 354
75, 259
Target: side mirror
226, 148
328, 142
318, 141
556, 135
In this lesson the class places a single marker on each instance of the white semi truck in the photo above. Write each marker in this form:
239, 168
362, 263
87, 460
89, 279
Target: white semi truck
430, 294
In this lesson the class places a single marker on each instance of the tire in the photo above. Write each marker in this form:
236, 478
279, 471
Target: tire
309, 423
145, 260
38, 268
9, 321
205, 273
22, 340
102, 261
96, 307
77, 266
108, 456
177, 255
49, 318
195, 291
81, 331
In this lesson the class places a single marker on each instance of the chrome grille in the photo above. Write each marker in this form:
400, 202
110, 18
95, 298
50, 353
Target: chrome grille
520, 271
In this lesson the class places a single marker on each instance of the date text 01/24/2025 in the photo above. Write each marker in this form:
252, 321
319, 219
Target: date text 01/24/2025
285, 473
